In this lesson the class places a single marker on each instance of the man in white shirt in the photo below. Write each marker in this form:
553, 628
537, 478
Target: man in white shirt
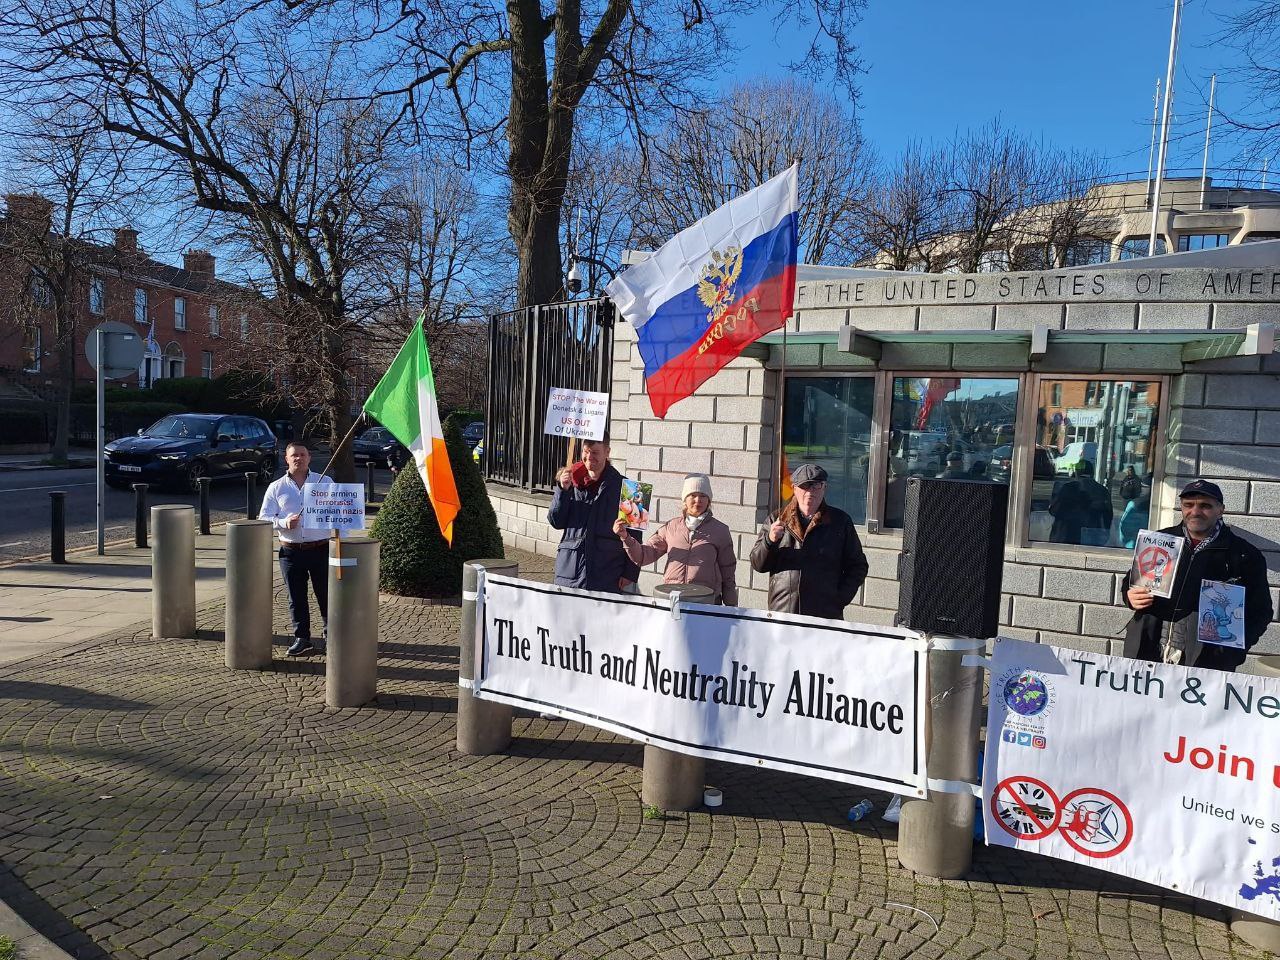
304, 554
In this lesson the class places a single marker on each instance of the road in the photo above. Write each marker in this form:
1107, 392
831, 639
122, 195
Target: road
24, 521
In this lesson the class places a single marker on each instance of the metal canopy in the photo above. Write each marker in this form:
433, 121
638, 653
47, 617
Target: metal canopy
1257, 339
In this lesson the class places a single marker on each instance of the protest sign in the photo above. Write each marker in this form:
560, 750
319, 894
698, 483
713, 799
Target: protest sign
824, 698
333, 506
577, 413
1161, 773
1155, 561
1222, 613
634, 504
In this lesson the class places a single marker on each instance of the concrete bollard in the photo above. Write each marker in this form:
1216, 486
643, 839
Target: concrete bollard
203, 484
484, 727
58, 526
935, 835
249, 585
140, 515
351, 665
173, 571
671, 780
251, 503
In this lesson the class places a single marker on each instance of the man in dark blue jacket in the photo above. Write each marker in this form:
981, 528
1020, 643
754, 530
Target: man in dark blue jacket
585, 506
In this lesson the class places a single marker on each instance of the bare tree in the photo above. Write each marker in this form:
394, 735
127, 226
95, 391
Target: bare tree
1070, 219
599, 204
75, 187
1254, 32
992, 175
900, 212
733, 144
620, 63
274, 136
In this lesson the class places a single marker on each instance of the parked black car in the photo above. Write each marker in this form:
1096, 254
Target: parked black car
473, 433
180, 449
376, 445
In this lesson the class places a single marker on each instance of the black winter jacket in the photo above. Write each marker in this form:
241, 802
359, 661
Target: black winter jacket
590, 555
818, 575
1229, 558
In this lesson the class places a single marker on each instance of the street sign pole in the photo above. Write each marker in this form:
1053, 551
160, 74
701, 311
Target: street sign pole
100, 384
115, 351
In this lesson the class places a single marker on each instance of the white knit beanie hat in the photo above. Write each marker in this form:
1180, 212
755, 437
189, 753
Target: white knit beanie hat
696, 483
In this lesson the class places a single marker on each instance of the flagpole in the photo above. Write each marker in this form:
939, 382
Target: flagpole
782, 396
333, 454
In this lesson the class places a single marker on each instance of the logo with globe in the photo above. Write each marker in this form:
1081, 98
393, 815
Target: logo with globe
1026, 694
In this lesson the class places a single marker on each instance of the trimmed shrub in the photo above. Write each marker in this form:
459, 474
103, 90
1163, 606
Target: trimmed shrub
23, 426
415, 559
191, 392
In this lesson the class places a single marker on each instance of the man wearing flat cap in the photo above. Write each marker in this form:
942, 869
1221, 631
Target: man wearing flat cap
1166, 629
811, 551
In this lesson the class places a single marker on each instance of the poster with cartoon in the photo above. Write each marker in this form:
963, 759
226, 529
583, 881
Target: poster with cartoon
634, 505
1222, 613
1155, 561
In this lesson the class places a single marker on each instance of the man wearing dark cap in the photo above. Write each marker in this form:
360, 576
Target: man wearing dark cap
811, 551
955, 467
1166, 629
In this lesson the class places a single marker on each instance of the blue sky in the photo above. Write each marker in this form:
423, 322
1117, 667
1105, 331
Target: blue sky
1079, 75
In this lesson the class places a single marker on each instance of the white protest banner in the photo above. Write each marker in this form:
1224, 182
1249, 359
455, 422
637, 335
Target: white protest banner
824, 698
333, 506
1160, 773
577, 413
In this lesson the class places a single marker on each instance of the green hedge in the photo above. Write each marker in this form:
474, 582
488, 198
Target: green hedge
23, 426
415, 559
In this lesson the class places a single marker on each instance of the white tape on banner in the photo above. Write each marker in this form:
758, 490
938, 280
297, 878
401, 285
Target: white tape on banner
973, 660
470, 595
465, 683
955, 786
343, 562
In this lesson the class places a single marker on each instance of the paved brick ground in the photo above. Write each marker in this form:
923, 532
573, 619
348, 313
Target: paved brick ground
154, 804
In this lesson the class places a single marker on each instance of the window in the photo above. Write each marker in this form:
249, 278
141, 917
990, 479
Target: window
954, 428
1084, 252
1203, 241
179, 313
214, 329
97, 296
139, 305
827, 420
31, 349
175, 362
1135, 247
1102, 454
993, 261
206, 364
244, 326
38, 291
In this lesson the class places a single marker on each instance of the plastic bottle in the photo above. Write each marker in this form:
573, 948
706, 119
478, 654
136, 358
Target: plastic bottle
860, 810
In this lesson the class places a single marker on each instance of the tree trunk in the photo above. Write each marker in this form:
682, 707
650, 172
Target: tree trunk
342, 464
66, 346
538, 244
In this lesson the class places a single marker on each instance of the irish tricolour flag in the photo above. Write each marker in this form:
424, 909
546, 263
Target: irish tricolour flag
404, 401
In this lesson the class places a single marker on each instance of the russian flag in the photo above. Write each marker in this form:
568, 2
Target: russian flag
712, 289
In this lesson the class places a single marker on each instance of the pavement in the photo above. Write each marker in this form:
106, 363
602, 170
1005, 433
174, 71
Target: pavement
155, 804
38, 461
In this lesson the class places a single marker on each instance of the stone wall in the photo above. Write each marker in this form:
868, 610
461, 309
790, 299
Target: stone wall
1224, 425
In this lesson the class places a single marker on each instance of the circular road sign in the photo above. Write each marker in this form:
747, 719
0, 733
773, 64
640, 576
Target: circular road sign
122, 346
1096, 822
1026, 808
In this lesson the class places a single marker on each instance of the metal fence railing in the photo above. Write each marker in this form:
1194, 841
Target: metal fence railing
531, 350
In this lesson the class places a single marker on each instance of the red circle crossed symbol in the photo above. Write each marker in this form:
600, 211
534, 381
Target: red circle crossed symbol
1025, 808
1152, 559
1097, 823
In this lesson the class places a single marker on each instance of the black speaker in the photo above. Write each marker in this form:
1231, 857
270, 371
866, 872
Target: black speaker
951, 568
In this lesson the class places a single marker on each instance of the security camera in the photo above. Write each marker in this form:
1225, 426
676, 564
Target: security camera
574, 280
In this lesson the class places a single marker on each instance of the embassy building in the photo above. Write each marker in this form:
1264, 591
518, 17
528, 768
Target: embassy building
1128, 378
